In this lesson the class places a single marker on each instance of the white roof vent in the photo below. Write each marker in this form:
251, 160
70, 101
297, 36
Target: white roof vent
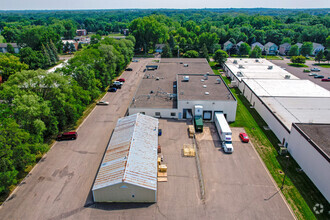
204, 86
186, 78
208, 73
219, 81
202, 80
185, 65
207, 93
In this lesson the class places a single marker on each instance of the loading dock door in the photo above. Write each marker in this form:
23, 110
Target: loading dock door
187, 113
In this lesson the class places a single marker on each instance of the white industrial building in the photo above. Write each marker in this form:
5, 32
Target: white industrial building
309, 144
128, 172
284, 102
176, 86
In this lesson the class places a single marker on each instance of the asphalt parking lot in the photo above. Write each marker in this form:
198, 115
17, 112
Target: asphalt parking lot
298, 71
237, 186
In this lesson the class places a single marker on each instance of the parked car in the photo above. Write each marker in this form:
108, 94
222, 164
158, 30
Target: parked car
121, 80
307, 71
326, 80
312, 74
244, 138
318, 77
72, 135
315, 69
117, 84
102, 103
135, 61
129, 69
112, 89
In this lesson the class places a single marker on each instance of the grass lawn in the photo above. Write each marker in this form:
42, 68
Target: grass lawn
299, 191
297, 65
325, 65
115, 35
272, 57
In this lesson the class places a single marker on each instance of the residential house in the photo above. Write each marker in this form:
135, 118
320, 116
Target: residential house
81, 32
284, 49
317, 48
159, 48
227, 45
257, 44
239, 44
83, 40
271, 48
3, 47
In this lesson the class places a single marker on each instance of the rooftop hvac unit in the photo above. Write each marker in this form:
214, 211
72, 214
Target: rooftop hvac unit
270, 67
204, 86
185, 65
240, 67
208, 73
235, 62
219, 81
186, 78
207, 93
239, 74
257, 61
287, 77
205, 76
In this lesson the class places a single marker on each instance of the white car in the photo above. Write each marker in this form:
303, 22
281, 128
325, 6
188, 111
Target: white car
102, 103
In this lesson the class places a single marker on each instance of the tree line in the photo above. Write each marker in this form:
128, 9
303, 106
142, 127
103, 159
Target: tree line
36, 105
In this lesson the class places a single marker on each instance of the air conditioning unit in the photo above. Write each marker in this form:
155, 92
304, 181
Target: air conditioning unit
270, 67
186, 78
257, 61
287, 77
235, 62
240, 67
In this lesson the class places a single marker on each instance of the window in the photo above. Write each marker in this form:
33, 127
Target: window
173, 114
157, 113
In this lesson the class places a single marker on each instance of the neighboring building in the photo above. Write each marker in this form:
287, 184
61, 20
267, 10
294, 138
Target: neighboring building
299, 45
176, 86
309, 146
128, 172
81, 32
317, 48
284, 49
257, 44
271, 48
227, 45
3, 47
159, 48
125, 32
239, 44
83, 40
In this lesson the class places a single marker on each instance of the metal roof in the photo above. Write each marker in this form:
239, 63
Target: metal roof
131, 155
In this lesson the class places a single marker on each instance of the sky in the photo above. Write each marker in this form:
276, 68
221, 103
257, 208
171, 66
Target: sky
126, 4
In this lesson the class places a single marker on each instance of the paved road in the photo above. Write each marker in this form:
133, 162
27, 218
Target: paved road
298, 72
60, 184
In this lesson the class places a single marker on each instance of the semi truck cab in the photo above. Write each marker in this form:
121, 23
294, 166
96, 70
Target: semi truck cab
228, 145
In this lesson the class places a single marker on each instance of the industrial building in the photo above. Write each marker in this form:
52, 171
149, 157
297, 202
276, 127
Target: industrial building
173, 87
310, 146
128, 172
285, 103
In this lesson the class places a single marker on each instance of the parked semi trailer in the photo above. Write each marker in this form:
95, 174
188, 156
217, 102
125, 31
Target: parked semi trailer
224, 132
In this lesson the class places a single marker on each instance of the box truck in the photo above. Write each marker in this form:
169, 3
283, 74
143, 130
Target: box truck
224, 132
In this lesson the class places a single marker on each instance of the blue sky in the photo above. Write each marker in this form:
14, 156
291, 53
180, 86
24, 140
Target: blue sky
118, 4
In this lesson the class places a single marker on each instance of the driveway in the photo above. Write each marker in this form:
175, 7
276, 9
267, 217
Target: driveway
298, 71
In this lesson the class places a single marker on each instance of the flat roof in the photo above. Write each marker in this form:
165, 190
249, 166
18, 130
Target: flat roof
286, 88
256, 68
131, 155
200, 88
157, 88
319, 134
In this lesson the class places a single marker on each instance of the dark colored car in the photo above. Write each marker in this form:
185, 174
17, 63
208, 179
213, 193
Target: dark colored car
121, 80
112, 89
72, 135
326, 80
318, 77
129, 69
244, 137
315, 69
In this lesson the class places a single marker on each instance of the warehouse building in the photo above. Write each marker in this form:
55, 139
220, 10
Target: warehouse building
176, 86
310, 146
128, 172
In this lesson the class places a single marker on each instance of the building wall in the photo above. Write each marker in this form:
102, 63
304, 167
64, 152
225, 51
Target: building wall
228, 107
164, 112
279, 130
124, 192
311, 161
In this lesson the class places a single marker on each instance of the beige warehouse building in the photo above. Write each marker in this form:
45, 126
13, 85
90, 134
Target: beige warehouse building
128, 172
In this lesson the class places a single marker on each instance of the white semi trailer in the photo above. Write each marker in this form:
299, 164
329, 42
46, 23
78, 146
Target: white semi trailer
224, 132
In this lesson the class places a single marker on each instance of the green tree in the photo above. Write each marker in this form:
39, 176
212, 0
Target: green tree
166, 51
9, 65
220, 56
256, 52
319, 56
244, 49
327, 42
298, 59
52, 56
306, 48
205, 53
286, 40
294, 50
54, 50
48, 60
191, 54
10, 48
209, 39
327, 57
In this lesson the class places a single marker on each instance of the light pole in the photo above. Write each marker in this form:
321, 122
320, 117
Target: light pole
286, 169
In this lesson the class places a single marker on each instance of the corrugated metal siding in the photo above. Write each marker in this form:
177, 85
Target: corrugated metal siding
131, 155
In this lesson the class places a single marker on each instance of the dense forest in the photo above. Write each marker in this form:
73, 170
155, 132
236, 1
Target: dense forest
36, 105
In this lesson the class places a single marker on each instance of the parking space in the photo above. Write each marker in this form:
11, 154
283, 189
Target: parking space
298, 72
237, 186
